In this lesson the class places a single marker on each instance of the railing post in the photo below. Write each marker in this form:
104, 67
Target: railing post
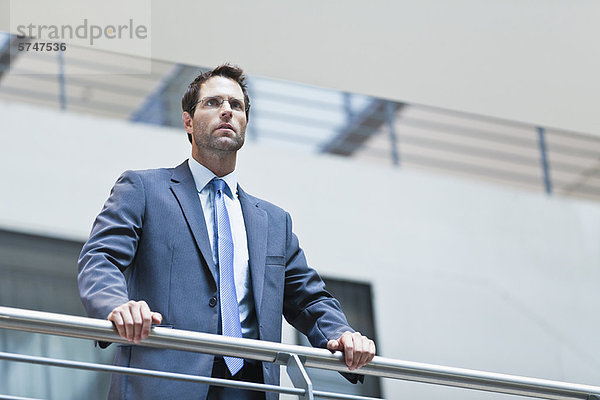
390, 118
252, 129
347, 98
61, 80
297, 373
544, 158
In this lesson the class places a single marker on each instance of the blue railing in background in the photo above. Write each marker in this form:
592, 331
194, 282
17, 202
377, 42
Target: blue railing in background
312, 119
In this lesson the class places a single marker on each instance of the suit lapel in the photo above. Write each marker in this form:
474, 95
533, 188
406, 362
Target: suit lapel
256, 222
184, 189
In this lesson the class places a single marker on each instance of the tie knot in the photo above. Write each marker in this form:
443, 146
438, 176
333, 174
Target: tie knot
219, 185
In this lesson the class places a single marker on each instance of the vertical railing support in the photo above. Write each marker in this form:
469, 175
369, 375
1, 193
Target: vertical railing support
544, 159
62, 87
390, 118
251, 129
297, 373
347, 97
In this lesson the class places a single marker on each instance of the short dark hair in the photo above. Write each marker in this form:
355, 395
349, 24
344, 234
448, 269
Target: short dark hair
191, 96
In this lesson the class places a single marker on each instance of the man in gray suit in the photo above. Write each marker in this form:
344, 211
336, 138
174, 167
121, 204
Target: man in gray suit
187, 248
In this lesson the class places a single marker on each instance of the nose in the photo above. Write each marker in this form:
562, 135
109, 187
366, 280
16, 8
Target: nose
226, 109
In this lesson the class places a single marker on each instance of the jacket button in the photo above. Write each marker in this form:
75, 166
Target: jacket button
213, 301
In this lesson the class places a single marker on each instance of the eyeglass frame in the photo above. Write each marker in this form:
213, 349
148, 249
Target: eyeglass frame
221, 100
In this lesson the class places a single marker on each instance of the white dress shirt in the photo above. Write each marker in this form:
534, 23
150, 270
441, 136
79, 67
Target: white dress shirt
243, 283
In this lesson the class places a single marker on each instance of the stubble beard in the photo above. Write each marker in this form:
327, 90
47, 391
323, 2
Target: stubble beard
219, 145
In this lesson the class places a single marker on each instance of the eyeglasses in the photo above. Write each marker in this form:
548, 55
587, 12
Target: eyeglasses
216, 102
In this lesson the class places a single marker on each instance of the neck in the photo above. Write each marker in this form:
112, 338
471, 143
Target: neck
220, 164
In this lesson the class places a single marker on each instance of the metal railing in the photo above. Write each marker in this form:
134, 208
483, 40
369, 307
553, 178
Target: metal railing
296, 358
407, 135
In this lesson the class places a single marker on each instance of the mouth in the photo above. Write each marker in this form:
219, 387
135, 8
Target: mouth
226, 126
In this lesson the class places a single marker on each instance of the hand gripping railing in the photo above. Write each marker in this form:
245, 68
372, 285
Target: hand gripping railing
294, 357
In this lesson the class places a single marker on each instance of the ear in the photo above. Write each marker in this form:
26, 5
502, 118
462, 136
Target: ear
188, 123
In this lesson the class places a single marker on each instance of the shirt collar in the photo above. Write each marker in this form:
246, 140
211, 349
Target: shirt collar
203, 176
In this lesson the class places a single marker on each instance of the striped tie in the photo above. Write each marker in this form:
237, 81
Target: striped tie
230, 314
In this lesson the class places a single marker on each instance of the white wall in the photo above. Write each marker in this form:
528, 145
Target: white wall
463, 274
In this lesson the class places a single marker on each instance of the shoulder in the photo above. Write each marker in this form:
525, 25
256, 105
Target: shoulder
267, 206
147, 177
150, 174
139, 185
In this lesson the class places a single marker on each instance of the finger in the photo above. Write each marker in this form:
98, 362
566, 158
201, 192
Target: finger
366, 351
117, 320
372, 351
334, 345
128, 323
358, 350
136, 314
364, 356
156, 318
348, 349
359, 355
146, 320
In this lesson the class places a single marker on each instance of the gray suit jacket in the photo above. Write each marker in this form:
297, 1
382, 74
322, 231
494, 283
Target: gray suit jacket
150, 243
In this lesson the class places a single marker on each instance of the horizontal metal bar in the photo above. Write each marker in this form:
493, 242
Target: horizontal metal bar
466, 131
571, 150
285, 136
330, 395
51, 98
96, 67
263, 94
593, 139
149, 373
469, 150
493, 120
7, 397
304, 119
78, 81
72, 326
168, 375
487, 153
484, 172
436, 162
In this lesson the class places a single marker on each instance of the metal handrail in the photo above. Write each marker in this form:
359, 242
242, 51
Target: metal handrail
96, 329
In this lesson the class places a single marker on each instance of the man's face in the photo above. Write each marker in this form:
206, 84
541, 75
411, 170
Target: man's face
218, 129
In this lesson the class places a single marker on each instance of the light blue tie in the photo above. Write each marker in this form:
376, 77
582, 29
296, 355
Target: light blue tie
230, 313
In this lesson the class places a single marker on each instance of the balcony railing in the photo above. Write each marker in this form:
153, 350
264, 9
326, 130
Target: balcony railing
296, 358
412, 136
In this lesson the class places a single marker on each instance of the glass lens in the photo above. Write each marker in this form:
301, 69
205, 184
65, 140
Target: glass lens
217, 102
212, 102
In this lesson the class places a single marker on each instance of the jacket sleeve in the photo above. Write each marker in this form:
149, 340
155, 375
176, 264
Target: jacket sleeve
307, 305
111, 248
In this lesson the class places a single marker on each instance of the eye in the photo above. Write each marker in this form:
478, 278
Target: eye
236, 104
212, 102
